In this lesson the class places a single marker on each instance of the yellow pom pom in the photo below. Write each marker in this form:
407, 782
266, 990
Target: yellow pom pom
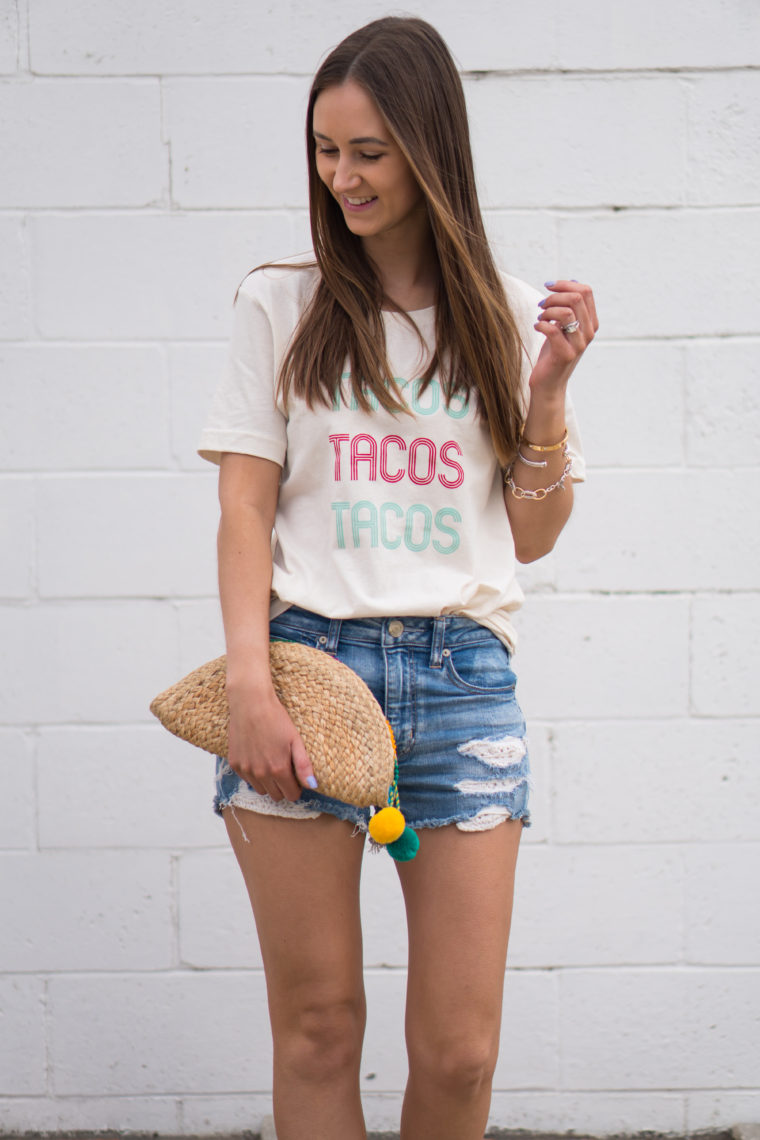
387, 825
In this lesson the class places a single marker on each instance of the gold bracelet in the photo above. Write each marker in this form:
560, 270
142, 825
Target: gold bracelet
549, 447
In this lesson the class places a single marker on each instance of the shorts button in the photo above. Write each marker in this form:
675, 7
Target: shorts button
323, 640
395, 628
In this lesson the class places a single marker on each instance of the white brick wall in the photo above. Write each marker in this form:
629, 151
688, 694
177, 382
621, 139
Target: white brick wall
152, 153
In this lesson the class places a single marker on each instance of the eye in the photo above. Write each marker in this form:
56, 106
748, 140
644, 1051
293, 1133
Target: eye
371, 157
326, 150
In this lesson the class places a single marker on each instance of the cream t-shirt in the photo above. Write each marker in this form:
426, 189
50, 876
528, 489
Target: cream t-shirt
381, 514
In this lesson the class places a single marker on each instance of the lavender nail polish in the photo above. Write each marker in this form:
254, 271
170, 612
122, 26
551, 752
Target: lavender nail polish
311, 782
549, 284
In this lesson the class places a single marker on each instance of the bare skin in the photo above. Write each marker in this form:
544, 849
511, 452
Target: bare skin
303, 876
303, 882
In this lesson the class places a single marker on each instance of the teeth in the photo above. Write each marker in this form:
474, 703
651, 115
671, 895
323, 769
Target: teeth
358, 201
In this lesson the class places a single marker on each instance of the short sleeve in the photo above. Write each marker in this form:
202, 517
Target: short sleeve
244, 416
524, 300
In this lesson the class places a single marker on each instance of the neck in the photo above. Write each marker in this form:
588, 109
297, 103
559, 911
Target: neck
406, 265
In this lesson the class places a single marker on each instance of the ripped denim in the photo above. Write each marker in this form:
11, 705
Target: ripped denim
447, 688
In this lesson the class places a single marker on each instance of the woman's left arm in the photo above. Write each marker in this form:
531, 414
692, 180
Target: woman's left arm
537, 522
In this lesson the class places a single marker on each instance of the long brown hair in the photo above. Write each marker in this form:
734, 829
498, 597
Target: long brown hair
406, 68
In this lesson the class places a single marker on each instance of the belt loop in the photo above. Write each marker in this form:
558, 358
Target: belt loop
436, 649
333, 635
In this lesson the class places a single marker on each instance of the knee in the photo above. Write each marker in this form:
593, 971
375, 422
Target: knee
460, 1067
324, 1037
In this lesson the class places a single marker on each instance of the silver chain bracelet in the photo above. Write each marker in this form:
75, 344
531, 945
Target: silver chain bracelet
540, 492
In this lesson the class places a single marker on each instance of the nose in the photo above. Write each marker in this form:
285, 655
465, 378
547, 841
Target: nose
345, 177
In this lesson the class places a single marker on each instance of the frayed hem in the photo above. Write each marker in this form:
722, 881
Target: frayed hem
459, 820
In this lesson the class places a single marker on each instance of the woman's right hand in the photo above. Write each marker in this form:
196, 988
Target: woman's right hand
265, 748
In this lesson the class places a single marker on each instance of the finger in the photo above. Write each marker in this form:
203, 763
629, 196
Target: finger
586, 292
564, 317
302, 765
561, 344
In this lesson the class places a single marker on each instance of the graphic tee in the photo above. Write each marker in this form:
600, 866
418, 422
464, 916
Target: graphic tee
379, 514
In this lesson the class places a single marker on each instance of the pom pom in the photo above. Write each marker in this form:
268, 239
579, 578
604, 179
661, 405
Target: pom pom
387, 825
404, 848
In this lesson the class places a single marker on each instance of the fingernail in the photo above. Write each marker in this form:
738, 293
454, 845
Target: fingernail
575, 279
311, 781
542, 303
549, 284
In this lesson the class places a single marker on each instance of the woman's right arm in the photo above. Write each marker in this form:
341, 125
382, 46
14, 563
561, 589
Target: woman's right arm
264, 745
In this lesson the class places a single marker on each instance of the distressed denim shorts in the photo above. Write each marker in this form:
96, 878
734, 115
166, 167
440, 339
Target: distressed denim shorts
447, 688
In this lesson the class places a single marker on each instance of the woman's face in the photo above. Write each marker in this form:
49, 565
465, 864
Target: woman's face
362, 166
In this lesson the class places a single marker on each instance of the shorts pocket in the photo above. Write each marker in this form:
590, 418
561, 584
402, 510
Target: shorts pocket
485, 667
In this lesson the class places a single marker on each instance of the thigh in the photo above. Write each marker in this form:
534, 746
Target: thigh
458, 893
303, 879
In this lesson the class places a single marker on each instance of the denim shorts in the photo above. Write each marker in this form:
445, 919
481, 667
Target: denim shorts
447, 688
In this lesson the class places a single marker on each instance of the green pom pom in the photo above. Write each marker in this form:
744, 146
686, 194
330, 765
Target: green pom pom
405, 847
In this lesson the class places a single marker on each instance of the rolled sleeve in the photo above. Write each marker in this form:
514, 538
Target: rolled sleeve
244, 416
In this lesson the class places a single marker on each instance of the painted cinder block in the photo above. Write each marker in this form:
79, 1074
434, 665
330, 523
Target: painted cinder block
9, 39
17, 537
177, 272
724, 128
71, 911
720, 1108
725, 655
17, 768
588, 657
134, 788
574, 907
22, 1042
598, 1113
97, 662
194, 371
511, 117
722, 923
653, 529
141, 1034
201, 633
622, 383
127, 536
642, 781
653, 35
15, 306
723, 420
527, 251
649, 255
257, 161
383, 915
244, 40
240, 39
230, 1113
159, 1115
216, 926
83, 143
662, 1028
82, 407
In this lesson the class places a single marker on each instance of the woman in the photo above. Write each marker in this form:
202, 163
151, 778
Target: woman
396, 411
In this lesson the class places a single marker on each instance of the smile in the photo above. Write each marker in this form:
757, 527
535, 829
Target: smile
354, 204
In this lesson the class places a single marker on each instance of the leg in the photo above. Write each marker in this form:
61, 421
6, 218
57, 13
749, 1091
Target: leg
303, 881
458, 894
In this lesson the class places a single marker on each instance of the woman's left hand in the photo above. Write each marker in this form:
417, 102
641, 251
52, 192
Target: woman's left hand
570, 302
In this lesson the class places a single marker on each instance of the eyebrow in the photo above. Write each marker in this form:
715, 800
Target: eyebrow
354, 142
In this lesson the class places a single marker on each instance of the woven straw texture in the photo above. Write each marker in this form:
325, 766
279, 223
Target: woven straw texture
348, 739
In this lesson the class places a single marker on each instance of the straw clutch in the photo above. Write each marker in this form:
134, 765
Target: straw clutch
347, 738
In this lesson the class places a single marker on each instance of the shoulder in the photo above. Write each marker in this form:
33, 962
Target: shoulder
523, 303
283, 286
521, 296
